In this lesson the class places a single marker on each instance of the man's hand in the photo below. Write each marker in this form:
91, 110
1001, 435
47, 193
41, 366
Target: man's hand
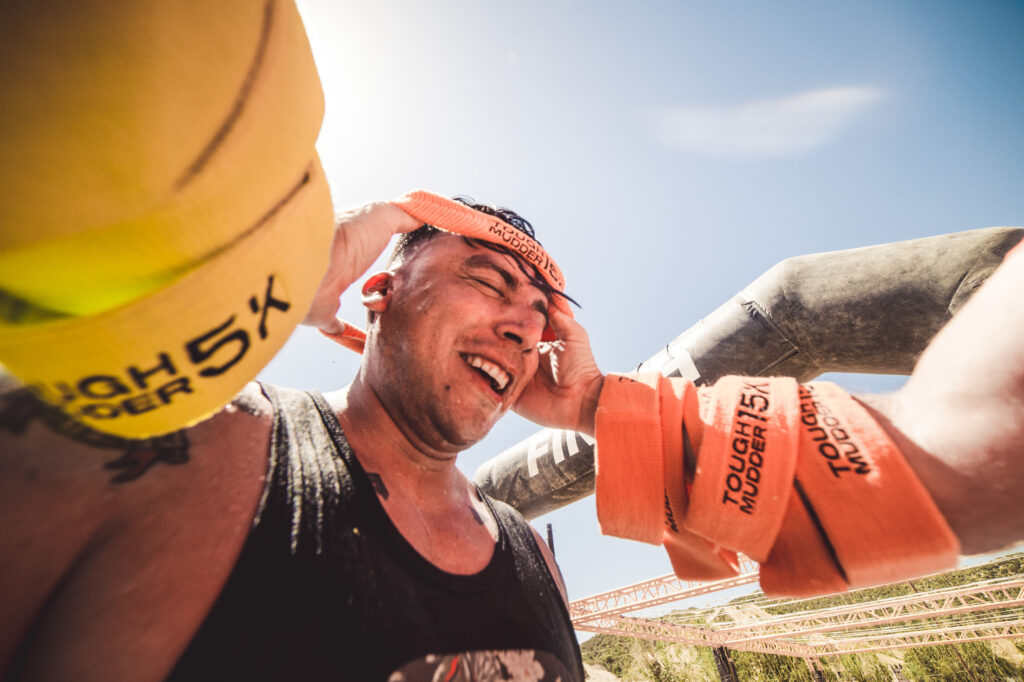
564, 391
360, 236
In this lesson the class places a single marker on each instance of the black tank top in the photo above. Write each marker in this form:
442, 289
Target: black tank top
326, 588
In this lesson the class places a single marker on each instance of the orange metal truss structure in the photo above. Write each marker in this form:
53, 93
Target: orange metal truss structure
991, 609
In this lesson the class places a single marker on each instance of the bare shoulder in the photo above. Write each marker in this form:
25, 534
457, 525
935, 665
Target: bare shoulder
83, 509
38, 437
62, 483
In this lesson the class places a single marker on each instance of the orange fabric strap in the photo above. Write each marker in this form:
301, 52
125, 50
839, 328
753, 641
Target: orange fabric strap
836, 504
351, 337
744, 472
695, 558
691, 555
879, 519
628, 458
801, 563
451, 216
673, 397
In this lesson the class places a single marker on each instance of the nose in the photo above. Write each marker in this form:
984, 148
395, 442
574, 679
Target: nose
514, 336
521, 325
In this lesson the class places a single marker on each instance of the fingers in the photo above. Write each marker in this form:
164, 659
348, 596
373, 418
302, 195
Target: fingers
401, 221
378, 217
566, 328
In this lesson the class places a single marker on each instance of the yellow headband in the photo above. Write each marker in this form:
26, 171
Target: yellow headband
164, 212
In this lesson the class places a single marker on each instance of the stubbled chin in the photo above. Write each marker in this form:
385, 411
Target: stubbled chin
469, 432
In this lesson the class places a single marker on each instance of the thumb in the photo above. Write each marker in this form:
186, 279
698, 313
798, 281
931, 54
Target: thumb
332, 326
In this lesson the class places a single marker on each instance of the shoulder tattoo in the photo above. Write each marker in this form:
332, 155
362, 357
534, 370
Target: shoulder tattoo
18, 407
378, 485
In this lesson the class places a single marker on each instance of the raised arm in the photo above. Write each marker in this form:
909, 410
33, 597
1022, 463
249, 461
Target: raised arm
361, 235
958, 424
959, 419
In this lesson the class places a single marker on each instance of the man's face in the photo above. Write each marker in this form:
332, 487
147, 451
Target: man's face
456, 344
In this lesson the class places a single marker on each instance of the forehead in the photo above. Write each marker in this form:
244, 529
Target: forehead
452, 252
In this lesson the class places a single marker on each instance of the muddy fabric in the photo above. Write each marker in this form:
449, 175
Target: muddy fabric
327, 588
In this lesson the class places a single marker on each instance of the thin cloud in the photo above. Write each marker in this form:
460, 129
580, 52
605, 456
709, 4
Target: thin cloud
782, 126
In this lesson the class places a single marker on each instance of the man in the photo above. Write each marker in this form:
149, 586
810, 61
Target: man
144, 561
138, 559
360, 551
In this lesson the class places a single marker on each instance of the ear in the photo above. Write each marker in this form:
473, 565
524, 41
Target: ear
377, 292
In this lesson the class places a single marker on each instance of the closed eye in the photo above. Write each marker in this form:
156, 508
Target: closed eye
488, 285
542, 310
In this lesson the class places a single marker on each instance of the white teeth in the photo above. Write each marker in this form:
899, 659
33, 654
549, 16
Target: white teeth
499, 376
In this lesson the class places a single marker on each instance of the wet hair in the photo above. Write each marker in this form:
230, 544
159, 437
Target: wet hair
409, 242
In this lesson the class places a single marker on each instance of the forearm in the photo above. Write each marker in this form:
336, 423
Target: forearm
959, 420
588, 406
361, 235
981, 510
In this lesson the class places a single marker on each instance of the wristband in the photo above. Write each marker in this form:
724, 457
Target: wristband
801, 563
178, 355
129, 160
694, 558
628, 458
674, 397
744, 470
878, 517
844, 509
165, 221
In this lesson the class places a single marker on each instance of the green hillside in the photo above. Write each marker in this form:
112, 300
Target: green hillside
635, 659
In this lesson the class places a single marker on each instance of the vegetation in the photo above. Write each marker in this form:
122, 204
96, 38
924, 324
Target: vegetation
640, 659
944, 663
637, 659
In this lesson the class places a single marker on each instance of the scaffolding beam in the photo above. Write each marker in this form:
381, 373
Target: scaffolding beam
918, 606
981, 611
655, 592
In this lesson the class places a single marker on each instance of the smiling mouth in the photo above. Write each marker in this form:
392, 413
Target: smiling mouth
498, 378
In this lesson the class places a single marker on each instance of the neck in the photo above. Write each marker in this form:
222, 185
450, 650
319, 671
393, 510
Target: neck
431, 503
384, 443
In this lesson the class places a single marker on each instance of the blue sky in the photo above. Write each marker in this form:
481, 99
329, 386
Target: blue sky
668, 153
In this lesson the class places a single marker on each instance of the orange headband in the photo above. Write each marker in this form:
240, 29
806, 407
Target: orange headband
451, 216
